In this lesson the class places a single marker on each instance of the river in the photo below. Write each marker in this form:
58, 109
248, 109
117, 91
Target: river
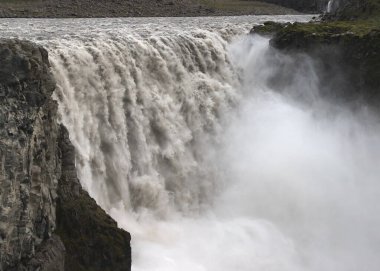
214, 150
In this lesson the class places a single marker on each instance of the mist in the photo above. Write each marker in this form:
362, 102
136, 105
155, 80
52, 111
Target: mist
305, 164
220, 153
298, 180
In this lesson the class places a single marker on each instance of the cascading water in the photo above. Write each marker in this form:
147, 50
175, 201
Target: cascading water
333, 5
215, 151
329, 6
142, 110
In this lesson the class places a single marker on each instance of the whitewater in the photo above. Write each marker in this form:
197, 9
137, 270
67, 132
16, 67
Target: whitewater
214, 150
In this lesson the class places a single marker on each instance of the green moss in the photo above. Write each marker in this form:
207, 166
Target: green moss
358, 28
353, 45
359, 19
350, 45
268, 28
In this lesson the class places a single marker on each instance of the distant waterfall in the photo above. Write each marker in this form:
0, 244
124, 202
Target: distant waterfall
329, 6
333, 5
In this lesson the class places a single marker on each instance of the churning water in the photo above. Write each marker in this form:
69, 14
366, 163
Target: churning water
214, 150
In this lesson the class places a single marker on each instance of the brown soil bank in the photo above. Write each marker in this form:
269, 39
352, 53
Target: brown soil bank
135, 8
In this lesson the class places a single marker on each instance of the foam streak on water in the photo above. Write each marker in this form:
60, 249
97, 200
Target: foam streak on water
213, 149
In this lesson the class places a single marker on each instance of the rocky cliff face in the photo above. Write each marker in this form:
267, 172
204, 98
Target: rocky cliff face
38, 177
346, 46
353, 10
29, 164
348, 60
91, 238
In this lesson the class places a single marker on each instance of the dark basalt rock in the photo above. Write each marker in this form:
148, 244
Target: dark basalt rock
347, 50
91, 237
356, 56
47, 222
268, 29
28, 160
49, 257
353, 10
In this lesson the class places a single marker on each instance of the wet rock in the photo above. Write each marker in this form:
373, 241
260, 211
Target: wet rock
38, 179
268, 28
27, 213
83, 226
344, 50
49, 257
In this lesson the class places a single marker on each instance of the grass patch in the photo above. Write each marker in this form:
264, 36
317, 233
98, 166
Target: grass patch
360, 18
359, 27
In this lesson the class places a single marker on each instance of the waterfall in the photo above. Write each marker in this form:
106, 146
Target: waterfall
329, 6
216, 151
140, 112
333, 5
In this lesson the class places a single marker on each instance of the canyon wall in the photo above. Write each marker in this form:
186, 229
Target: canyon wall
345, 44
46, 219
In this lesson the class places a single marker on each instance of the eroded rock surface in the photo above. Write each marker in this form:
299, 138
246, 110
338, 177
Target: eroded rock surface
37, 175
345, 46
28, 152
91, 237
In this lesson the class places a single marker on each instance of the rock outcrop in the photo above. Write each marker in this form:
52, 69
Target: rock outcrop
38, 177
91, 237
352, 9
355, 55
345, 45
28, 153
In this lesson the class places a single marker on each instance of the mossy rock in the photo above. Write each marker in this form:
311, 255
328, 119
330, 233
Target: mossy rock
268, 28
350, 46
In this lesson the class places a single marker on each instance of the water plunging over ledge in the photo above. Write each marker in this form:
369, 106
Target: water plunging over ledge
183, 139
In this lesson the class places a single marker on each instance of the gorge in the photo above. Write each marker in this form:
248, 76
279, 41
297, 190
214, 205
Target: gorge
215, 149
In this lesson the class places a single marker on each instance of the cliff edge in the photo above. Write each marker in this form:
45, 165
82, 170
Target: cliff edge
345, 41
47, 222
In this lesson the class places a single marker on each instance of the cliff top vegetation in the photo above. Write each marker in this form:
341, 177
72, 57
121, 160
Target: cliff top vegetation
355, 17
